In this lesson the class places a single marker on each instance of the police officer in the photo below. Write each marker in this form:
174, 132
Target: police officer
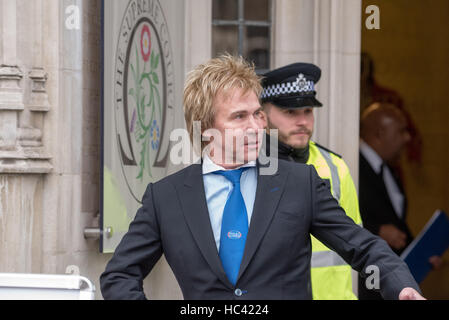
288, 99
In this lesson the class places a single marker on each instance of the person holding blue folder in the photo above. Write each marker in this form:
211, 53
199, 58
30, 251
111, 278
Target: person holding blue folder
383, 202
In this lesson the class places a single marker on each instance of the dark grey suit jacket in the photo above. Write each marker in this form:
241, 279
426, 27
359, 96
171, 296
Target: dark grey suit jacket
289, 205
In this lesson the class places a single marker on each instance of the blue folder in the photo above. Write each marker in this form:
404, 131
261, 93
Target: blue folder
432, 241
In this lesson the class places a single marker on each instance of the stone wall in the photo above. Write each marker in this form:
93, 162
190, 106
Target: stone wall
25, 156
50, 141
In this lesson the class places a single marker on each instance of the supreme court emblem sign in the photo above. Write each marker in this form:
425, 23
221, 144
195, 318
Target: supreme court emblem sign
141, 82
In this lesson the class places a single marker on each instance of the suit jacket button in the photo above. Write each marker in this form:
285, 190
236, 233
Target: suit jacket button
238, 292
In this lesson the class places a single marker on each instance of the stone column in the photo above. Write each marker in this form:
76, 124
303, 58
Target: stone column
21, 148
24, 160
11, 92
326, 33
64, 220
198, 35
198, 32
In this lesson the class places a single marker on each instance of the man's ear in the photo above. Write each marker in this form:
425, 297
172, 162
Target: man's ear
207, 136
379, 133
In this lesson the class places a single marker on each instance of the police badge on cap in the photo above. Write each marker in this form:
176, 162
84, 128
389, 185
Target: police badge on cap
292, 86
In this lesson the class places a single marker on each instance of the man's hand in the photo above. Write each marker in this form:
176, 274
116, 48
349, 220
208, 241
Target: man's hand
410, 294
393, 236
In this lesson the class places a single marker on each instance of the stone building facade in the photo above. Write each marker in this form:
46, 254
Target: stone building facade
50, 116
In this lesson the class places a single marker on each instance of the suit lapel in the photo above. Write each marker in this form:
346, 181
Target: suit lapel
377, 182
194, 207
376, 179
268, 194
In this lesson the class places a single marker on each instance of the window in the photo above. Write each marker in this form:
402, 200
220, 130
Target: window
243, 27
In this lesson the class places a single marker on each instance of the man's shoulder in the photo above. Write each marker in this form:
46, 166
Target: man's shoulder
336, 159
178, 176
292, 167
322, 148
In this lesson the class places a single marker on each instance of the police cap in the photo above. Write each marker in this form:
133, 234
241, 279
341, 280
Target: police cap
292, 86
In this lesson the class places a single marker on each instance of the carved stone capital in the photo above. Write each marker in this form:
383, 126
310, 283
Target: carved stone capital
11, 94
31, 160
39, 97
21, 148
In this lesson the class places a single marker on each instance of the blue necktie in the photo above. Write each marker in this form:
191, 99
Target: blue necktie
234, 227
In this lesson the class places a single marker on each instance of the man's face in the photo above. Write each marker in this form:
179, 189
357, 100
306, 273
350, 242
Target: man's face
238, 119
394, 138
295, 125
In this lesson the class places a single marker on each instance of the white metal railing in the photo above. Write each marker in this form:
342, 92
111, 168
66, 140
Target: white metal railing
19, 286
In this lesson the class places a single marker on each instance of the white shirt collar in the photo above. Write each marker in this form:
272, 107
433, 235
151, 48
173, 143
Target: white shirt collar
371, 156
209, 166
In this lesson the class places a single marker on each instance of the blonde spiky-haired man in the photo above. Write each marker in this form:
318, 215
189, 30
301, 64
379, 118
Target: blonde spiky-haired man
230, 232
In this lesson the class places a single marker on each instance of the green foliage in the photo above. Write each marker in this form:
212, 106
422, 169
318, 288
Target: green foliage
143, 124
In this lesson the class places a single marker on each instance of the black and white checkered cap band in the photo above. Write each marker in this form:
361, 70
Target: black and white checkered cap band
287, 88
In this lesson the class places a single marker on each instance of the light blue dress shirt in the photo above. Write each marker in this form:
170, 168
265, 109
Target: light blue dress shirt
218, 188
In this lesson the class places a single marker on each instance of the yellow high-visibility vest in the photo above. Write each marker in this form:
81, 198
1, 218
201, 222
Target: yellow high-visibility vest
331, 275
